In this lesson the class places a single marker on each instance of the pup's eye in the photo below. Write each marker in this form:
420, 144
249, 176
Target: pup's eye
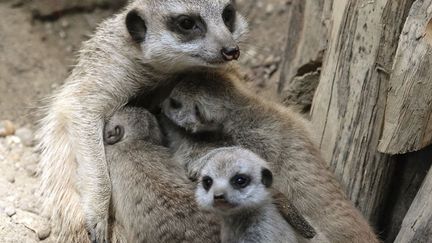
228, 16
186, 23
240, 181
207, 182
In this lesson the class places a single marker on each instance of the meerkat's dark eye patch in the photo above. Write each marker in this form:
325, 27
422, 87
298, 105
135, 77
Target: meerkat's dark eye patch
175, 104
229, 16
189, 27
136, 26
207, 182
240, 181
114, 136
266, 177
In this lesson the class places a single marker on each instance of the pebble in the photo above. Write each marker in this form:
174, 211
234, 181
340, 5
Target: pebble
26, 136
62, 34
65, 24
7, 128
44, 233
10, 211
10, 178
31, 170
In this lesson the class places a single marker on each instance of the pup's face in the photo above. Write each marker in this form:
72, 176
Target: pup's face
197, 104
233, 179
180, 34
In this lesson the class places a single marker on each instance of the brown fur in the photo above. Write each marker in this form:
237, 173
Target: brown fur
279, 136
151, 197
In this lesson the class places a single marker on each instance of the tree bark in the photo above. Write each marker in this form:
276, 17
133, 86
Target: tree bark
408, 116
349, 104
417, 225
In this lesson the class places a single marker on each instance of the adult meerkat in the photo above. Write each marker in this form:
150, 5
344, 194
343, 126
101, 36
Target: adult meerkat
131, 53
152, 199
235, 184
219, 103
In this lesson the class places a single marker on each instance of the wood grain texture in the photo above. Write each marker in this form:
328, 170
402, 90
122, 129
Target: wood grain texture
349, 104
305, 46
408, 115
417, 225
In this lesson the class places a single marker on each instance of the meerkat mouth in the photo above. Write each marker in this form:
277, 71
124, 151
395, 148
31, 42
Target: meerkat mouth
223, 205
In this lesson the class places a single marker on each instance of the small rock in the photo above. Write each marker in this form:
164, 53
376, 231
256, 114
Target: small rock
10, 178
26, 136
10, 211
62, 34
34, 222
31, 170
65, 24
7, 128
43, 233
269, 9
69, 49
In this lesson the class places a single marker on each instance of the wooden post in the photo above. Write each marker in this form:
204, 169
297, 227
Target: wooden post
417, 225
305, 47
408, 116
348, 108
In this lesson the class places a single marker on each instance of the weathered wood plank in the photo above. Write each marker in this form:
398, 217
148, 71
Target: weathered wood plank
408, 116
417, 225
348, 108
305, 46
410, 172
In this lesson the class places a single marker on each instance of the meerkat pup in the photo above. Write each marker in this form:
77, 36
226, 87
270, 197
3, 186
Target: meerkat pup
219, 103
151, 197
235, 184
130, 54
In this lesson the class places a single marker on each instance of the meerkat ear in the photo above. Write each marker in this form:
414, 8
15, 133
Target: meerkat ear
266, 177
136, 26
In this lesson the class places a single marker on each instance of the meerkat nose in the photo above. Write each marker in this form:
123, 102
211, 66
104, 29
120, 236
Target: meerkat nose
230, 53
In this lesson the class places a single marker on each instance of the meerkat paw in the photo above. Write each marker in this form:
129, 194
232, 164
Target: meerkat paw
99, 232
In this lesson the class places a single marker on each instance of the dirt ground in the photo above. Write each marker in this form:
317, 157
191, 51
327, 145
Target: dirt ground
38, 41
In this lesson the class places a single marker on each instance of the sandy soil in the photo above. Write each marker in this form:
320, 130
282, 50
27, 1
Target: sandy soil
37, 47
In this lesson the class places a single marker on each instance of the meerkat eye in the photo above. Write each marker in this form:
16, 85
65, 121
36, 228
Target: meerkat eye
207, 182
228, 16
240, 181
186, 23
175, 104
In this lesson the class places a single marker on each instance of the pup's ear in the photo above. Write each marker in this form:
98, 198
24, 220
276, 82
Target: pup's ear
113, 135
266, 177
136, 26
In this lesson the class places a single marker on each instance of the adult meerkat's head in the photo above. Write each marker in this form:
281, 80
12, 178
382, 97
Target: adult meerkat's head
233, 179
181, 34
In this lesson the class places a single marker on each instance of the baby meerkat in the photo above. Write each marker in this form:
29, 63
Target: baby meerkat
152, 199
235, 184
219, 103
132, 53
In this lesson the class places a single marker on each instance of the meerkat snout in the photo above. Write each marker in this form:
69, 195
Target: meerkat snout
231, 53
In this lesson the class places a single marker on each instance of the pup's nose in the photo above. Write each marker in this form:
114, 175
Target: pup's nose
230, 53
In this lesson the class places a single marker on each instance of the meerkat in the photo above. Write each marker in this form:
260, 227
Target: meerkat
218, 102
132, 53
151, 197
235, 184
